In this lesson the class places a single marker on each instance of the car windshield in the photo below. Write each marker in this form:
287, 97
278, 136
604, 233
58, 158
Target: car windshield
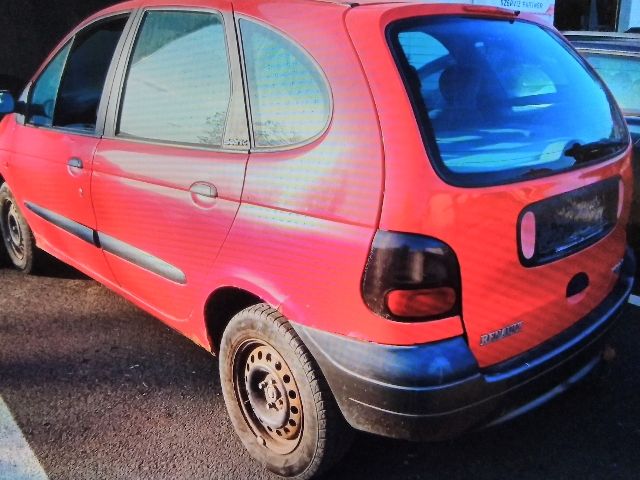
622, 75
500, 101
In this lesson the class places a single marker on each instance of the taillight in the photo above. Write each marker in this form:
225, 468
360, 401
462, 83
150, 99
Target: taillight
411, 278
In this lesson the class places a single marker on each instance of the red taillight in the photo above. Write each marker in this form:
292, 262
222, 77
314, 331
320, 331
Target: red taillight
528, 235
425, 302
411, 278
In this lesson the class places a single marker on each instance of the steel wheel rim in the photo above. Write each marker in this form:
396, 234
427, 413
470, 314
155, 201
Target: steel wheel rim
13, 234
268, 396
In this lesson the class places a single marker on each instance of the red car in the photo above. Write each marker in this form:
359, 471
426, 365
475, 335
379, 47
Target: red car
408, 219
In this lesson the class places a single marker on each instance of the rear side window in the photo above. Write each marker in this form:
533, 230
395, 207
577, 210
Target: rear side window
622, 75
289, 98
178, 86
500, 101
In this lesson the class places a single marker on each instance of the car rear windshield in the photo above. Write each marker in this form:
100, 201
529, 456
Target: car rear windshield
500, 101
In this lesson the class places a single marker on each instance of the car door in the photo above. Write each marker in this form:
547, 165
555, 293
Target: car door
169, 172
54, 144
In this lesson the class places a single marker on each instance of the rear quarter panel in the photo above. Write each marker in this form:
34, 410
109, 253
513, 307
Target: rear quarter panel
308, 215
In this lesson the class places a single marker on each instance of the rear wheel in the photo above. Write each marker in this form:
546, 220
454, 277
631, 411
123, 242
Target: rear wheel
278, 400
19, 244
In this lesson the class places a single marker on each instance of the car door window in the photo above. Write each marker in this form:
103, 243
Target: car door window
178, 86
622, 75
289, 97
45, 90
85, 74
69, 90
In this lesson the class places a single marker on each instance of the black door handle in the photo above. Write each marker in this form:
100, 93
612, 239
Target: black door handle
75, 163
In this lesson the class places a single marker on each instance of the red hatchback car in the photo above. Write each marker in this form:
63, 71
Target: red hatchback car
408, 219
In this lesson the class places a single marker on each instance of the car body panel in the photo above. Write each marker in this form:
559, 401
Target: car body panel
165, 220
42, 178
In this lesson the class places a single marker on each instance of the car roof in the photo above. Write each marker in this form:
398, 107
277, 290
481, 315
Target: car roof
346, 3
625, 43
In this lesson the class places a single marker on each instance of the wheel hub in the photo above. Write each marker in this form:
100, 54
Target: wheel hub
269, 396
14, 237
14, 229
265, 395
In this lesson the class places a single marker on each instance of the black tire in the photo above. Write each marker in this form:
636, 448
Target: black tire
261, 351
18, 243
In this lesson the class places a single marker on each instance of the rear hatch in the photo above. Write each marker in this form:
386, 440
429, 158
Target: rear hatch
528, 146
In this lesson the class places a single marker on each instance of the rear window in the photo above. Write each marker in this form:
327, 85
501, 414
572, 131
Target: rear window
501, 101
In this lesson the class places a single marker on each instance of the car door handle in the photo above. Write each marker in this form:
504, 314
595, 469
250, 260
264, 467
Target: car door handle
204, 189
75, 163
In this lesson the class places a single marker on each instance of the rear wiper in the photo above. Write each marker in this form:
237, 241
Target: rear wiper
590, 151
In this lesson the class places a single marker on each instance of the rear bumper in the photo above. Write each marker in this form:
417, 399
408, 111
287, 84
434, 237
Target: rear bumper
437, 391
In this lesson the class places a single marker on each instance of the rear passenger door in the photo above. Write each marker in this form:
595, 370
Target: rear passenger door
54, 145
168, 174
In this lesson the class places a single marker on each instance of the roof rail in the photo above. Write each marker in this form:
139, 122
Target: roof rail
616, 35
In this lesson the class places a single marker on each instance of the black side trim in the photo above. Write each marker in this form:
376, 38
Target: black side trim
74, 228
141, 258
112, 245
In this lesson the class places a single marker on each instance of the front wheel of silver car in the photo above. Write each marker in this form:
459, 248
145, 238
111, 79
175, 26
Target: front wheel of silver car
277, 398
19, 244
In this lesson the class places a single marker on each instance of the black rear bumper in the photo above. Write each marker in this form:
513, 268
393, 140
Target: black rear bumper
437, 391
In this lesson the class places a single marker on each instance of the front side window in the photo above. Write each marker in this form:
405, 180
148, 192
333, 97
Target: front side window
69, 90
178, 86
290, 101
500, 101
622, 75
85, 75
45, 91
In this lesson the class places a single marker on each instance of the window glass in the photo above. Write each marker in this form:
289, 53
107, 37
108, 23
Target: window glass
501, 101
85, 75
45, 90
178, 86
290, 102
622, 75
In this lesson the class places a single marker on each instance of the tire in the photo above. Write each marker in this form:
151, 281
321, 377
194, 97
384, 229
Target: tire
18, 243
301, 433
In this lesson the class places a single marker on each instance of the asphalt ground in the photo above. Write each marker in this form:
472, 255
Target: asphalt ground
102, 390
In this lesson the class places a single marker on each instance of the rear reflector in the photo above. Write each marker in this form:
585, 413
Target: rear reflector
425, 302
528, 235
620, 197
